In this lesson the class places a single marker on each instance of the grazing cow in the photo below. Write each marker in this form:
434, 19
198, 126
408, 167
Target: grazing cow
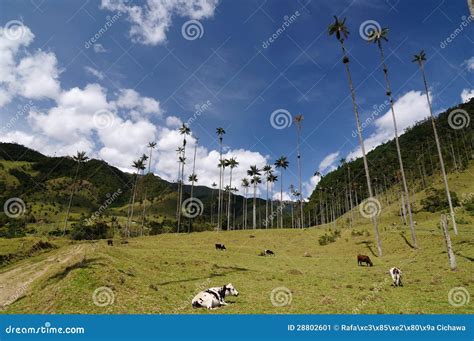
220, 247
396, 274
214, 297
268, 252
110, 242
364, 259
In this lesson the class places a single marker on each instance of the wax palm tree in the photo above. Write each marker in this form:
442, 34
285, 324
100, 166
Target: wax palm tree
151, 146
245, 185
179, 151
232, 163
271, 178
420, 59
340, 30
193, 178
220, 209
377, 36
139, 165
255, 179
220, 134
298, 121
214, 185
183, 130
282, 163
267, 170
79, 158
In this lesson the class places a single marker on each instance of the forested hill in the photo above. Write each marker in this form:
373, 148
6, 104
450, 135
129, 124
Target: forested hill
419, 155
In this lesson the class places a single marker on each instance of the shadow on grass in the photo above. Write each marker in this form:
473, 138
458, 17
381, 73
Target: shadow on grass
83, 264
465, 257
212, 275
406, 240
368, 244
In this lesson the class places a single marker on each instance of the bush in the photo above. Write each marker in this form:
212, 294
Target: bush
329, 238
13, 229
436, 200
84, 231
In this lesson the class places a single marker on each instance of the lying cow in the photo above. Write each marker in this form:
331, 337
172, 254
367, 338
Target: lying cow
268, 252
220, 247
364, 259
214, 297
396, 274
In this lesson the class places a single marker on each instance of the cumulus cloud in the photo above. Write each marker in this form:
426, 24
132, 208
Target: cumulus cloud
99, 48
309, 186
469, 64
410, 108
131, 100
173, 122
151, 21
328, 161
467, 94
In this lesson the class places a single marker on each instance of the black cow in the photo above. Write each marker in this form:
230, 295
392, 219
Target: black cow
220, 247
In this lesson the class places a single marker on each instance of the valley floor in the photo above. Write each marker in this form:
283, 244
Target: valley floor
161, 274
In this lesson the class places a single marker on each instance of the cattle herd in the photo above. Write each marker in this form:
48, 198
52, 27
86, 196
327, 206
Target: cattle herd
215, 297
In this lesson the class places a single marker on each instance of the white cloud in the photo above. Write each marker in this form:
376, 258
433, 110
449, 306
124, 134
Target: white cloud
328, 161
131, 100
470, 64
410, 108
99, 48
466, 95
309, 186
173, 122
151, 21
94, 72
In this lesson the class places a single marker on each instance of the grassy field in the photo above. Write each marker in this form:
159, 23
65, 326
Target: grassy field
161, 274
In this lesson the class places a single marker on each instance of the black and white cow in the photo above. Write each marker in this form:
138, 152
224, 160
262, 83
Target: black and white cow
396, 274
220, 247
269, 253
214, 297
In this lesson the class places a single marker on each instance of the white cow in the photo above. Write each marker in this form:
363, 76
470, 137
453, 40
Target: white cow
396, 274
214, 297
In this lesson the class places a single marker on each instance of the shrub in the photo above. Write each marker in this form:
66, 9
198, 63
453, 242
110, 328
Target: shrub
436, 200
83, 231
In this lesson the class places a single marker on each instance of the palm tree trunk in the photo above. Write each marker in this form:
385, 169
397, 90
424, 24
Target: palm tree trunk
70, 199
300, 188
254, 206
220, 187
229, 203
271, 203
399, 153
281, 200
266, 209
440, 154
361, 142
130, 218
181, 185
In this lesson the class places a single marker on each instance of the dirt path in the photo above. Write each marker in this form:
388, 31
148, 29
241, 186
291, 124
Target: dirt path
15, 283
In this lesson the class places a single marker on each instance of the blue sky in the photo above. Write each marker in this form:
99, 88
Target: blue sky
147, 77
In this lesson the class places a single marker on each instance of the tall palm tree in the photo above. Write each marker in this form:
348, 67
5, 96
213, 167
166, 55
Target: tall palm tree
214, 185
267, 170
245, 185
183, 130
179, 151
420, 58
298, 119
193, 177
139, 165
232, 163
282, 163
376, 37
220, 134
340, 30
271, 178
220, 209
152, 146
80, 158
255, 179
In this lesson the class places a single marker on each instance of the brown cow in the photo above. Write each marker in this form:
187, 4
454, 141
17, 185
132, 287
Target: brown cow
364, 259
